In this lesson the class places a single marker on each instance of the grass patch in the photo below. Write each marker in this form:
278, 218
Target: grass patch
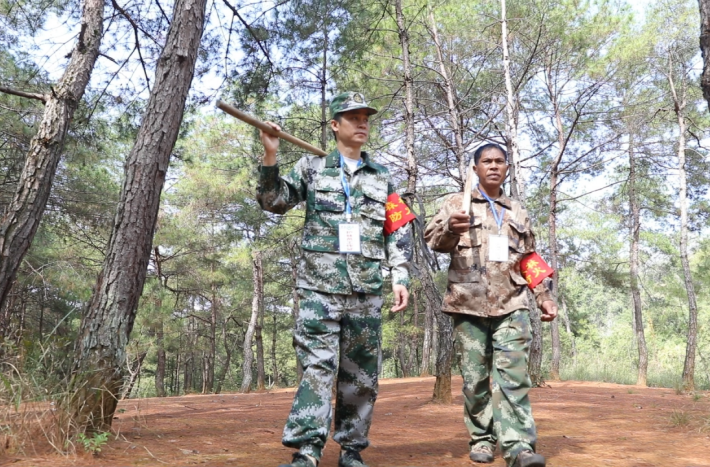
679, 419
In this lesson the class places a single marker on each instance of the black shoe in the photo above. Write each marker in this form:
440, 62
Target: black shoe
350, 459
481, 454
528, 458
300, 460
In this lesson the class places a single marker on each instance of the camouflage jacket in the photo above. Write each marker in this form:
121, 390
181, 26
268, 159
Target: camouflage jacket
477, 286
316, 180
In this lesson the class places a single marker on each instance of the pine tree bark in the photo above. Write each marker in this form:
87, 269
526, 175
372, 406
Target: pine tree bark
452, 106
274, 363
427, 344
106, 326
257, 274
258, 337
412, 168
635, 228
517, 185
552, 217
705, 47
680, 102
22, 216
160, 365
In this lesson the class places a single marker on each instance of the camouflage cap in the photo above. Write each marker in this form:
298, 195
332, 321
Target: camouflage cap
349, 101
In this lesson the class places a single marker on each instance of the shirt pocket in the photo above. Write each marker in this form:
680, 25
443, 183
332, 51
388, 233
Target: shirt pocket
329, 195
465, 259
518, 237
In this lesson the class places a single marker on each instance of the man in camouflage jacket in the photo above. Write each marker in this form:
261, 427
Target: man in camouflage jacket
339, 324
486, 298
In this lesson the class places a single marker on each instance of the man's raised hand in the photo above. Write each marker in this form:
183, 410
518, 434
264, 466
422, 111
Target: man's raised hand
271, 144
459, 222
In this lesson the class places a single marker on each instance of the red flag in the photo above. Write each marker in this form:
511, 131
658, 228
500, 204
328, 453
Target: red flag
397, 213
535, 269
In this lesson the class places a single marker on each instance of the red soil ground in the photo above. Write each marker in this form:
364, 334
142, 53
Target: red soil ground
579, 424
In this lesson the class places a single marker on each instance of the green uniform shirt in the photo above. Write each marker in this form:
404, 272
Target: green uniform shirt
316, 180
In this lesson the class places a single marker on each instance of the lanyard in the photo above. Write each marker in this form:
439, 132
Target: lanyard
499, 220
346, 188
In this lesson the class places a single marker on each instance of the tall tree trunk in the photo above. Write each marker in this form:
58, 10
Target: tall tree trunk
635, 227
680, 102
442, 389
412, 169
274, 362
160, 365
414, 338
451, 101
249, 335
23, 214
106, 326
705, 47
323, 88
402, 346
552, 219
535, 354
427, 344
258, 337
208, 384
517, 185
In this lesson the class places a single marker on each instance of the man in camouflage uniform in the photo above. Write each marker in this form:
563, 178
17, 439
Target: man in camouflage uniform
486, 298
339, 324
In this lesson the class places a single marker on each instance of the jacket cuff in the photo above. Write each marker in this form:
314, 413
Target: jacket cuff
542, 294
269, 178
400, 276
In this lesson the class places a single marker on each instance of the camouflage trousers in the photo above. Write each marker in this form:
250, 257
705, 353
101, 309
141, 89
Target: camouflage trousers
337, 341
494, 365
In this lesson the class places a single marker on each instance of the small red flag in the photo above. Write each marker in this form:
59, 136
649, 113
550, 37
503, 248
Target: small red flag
397, 213
535, 269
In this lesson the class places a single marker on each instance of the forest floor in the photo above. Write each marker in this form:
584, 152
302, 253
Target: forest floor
579, 424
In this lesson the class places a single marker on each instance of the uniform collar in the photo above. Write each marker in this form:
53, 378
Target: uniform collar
503, 199
333, 159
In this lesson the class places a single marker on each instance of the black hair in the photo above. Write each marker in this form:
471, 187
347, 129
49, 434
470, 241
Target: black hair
479, 152
337, 117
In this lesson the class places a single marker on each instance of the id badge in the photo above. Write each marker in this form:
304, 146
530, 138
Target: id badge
498, 248
349, 238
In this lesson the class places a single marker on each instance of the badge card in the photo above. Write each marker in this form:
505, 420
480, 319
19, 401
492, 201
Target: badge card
498, 248
349, 238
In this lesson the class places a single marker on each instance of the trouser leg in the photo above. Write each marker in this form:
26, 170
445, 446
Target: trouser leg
360, 329
513, 420
473, 342
316, 343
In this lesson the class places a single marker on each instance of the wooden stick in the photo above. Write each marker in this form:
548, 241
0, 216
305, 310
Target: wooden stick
253, 121
468, 186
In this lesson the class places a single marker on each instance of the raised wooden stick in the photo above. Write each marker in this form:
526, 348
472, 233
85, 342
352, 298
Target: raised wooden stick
468, 186
253, 121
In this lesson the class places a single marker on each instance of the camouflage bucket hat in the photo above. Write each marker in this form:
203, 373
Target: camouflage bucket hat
349, 101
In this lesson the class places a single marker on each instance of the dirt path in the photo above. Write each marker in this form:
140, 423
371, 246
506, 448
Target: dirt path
580, 424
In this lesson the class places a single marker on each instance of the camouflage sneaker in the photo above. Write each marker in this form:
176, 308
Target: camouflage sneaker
350, 459
528, 458
481, 453
301, 460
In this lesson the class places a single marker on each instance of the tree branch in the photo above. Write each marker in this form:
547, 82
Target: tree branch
29, 95
235, 12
